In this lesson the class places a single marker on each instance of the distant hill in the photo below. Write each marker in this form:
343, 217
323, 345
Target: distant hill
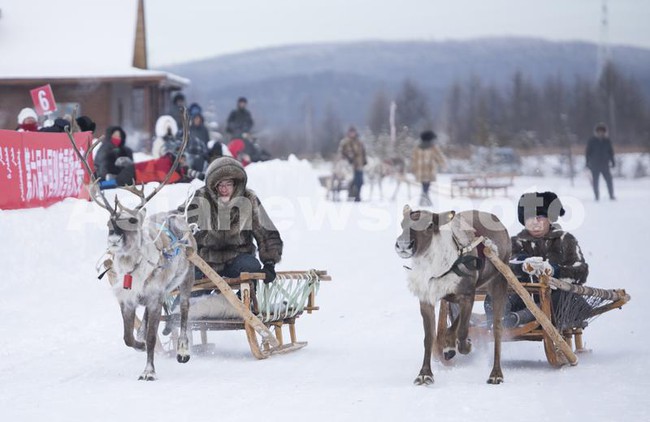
281, 83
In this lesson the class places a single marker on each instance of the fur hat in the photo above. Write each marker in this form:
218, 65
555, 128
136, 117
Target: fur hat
242, 100
534, 204
86, 124
26, 113
178, 97
224, 168
600, 126
428, 136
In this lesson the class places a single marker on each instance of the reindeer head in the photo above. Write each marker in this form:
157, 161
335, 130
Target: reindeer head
125, 228
418, 228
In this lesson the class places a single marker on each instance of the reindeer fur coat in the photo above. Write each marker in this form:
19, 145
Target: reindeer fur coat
227, 230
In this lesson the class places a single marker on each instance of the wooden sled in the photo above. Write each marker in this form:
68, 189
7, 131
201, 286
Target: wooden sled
558, 343
261, 306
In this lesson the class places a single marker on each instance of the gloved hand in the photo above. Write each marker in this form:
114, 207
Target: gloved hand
269, 270
517, 259
536, 265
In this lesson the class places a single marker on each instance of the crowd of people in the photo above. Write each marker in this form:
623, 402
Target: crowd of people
114, 163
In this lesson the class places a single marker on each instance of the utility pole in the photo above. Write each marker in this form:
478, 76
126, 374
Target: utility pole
393, 131
604, 61
604, 53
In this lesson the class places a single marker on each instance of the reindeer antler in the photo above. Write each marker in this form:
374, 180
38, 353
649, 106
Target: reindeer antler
93, 186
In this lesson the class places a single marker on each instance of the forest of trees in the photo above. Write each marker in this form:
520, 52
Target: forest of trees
521, 115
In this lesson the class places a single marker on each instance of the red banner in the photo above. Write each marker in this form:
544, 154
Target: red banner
39, 169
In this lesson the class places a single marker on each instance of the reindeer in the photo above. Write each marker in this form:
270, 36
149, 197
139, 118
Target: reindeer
148, 255
446, 251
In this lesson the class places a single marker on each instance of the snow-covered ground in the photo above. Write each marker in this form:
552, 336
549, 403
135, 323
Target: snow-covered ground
62, 357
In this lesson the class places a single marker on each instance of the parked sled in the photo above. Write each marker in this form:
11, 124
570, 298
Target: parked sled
559, 329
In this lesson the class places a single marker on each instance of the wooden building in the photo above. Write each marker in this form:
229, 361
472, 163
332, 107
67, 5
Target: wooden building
94, 56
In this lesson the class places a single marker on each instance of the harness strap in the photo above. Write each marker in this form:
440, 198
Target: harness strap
473, 263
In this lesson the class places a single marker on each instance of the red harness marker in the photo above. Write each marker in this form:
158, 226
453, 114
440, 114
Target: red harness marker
127, 282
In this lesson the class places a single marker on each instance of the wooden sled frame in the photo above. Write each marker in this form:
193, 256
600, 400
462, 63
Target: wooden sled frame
270, 343
558, 347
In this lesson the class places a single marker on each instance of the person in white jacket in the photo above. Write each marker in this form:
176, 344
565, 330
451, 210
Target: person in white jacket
166, 130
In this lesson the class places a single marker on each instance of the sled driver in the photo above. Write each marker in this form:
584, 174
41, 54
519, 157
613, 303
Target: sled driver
232, 223
542, 247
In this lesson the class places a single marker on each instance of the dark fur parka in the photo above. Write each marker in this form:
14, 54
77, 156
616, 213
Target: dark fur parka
559, 247
227, 230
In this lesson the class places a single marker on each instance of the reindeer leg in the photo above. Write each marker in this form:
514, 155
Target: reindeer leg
128, 318
428, 312
154, 308
183, 347
449, 342
464, 344
498, 292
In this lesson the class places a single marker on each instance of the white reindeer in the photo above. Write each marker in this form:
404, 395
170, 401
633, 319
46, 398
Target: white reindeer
149, 256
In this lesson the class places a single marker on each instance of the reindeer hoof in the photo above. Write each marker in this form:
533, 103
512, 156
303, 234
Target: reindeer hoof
449, 353
138, 345
495, 378
423, 380
182, 358
147, 376
464, 347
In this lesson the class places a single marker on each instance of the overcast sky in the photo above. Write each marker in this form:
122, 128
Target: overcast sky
182, 30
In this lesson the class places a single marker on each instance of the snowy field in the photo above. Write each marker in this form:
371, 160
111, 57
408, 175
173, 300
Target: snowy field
63, 359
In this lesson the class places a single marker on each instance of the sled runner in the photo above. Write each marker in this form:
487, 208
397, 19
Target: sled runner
560, 327
259, 307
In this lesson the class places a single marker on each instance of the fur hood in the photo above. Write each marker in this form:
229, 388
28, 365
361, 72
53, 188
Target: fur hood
25, 113
225, 168
109, 132
166, 122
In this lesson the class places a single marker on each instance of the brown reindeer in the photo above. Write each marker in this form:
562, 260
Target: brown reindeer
447, 263
148, 261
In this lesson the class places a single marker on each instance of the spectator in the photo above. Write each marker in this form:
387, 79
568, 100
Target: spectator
240, 121
426, 160
166, 130
27, 120
176, 110
351, 149
600, 156
114, 160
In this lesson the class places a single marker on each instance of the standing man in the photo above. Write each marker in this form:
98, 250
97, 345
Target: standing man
240, 120
176, 110
352, 150
599, 157
427, 158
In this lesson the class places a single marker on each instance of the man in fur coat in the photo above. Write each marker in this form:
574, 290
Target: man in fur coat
427, 158
543, 242
229, 217
351, 149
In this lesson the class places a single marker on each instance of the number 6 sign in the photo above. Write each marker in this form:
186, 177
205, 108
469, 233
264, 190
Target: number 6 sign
43, 99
